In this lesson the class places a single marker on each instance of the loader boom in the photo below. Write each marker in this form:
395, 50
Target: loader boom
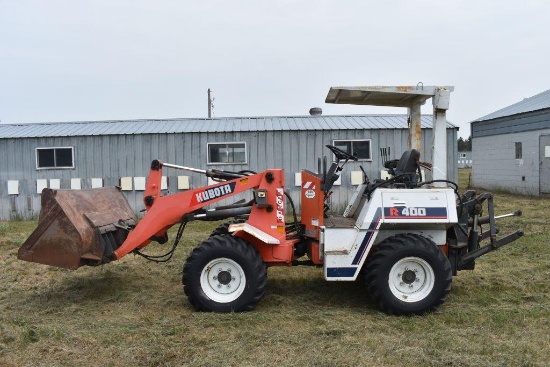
164, 212
265, 226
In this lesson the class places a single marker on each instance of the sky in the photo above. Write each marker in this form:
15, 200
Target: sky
129, 59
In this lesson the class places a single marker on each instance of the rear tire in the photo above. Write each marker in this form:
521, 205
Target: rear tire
408, 274
224, 274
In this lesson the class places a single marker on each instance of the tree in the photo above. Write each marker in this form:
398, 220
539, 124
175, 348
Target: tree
465, 145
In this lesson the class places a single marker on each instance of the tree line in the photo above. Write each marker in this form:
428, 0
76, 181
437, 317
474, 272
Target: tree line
465, 145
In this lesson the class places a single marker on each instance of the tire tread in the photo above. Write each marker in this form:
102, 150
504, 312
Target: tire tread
375, 268
223, 244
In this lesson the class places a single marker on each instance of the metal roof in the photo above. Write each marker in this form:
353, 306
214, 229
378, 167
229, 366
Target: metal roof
204, 125
537, 102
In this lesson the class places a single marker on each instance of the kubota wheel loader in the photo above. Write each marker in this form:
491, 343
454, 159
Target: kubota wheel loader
405, 238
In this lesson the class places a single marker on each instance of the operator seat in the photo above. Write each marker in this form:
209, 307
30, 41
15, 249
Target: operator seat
408, 163
404, 171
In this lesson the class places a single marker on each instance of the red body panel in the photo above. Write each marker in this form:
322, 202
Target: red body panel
313, 203
271, 220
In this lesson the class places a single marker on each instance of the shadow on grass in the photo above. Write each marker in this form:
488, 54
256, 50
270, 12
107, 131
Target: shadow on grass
317, 293
128, 289
82, 290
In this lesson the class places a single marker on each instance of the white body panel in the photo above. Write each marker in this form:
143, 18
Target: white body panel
339, 240
428, 212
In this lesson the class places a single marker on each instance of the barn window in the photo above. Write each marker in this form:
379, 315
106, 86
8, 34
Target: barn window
462, 155
227, 153
58, 157
360, 148
519, 153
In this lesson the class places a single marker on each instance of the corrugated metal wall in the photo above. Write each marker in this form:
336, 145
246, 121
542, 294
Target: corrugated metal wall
113, 156
530, 121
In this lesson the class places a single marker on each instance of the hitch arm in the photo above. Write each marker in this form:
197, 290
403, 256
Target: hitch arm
493, 246
474, 238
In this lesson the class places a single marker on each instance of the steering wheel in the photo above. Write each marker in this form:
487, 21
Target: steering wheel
341, 155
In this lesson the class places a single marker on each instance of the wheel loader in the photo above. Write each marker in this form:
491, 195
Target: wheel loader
403, 237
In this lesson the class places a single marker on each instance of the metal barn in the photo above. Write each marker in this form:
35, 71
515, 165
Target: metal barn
464, 159
511, 147
82, 155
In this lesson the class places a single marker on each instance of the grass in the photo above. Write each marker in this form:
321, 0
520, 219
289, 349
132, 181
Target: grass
134, 312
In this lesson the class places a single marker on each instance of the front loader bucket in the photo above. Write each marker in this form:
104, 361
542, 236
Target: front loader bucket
78, 227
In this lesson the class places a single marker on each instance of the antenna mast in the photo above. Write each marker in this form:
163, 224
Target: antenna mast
209, 105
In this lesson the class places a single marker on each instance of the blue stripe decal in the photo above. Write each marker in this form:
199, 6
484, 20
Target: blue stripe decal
436, 212
341, 272
431, 213
368, 237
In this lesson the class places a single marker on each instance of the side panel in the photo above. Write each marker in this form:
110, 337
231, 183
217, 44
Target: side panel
439, 236
346, 266
428, 212
312, 204
339, 240
419, 205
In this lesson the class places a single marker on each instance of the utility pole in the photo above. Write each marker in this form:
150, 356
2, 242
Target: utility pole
209, 105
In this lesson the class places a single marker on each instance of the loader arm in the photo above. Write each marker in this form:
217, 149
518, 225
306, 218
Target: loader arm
165, 211
97, 226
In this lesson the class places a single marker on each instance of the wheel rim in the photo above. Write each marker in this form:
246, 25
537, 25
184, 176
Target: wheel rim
411, 279
223, 280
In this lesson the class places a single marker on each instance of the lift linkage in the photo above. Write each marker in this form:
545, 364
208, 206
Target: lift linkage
467, 230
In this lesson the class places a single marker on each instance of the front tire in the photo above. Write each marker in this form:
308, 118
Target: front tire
408, 274
224, 274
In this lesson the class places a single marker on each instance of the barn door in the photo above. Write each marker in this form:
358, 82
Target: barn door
544, 145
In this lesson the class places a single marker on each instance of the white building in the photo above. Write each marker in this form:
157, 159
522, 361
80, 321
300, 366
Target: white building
511, 147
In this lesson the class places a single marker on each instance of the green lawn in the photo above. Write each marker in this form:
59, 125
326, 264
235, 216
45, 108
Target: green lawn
134, 313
